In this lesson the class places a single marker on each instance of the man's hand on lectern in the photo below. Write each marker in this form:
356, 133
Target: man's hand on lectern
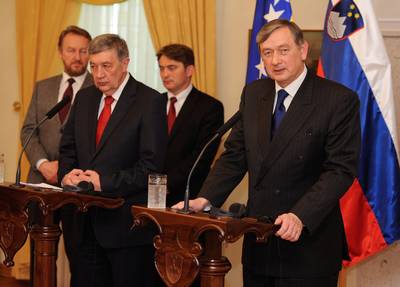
195, 205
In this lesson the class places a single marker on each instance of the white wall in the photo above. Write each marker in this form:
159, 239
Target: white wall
388, 14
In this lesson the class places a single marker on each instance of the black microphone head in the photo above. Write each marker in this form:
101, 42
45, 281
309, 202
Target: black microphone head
238, 209
229, 124
58, 107
81, 187
86, 186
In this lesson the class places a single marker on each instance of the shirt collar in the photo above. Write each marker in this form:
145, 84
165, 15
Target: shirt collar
78, 79
182, 95
294, 86
121, 87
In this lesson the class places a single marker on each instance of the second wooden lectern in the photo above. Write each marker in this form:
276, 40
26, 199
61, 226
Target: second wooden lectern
14, 225
180, 257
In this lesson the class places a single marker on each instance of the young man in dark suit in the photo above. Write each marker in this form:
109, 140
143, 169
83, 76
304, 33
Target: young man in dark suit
193, 117
299, 140
115, 136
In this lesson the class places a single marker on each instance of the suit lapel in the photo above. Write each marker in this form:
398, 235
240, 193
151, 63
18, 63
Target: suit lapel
298, 113
93, 111
122, 107
264, 112
52, 96
185, 112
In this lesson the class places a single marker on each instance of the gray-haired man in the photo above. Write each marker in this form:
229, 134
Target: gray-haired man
115, 136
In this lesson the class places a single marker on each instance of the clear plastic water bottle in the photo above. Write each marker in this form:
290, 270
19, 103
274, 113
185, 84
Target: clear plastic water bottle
2, 168
157, 188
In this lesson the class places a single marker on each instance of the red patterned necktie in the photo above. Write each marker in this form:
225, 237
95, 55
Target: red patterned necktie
69, 92
171, 114
104, 117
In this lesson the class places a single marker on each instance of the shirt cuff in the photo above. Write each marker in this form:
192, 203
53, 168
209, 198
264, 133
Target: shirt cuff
39, 162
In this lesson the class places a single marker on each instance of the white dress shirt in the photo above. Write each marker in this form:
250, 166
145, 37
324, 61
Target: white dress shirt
291, 89
115, 96
180, 99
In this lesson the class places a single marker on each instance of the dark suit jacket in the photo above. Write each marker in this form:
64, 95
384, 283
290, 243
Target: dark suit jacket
45, 142
198, 119
132, 146
305, 169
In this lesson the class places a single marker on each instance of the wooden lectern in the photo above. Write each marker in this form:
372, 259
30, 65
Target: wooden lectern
14, 225
180, 257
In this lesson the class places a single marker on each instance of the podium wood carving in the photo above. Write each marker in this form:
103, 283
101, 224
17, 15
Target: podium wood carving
14, 224
179, 255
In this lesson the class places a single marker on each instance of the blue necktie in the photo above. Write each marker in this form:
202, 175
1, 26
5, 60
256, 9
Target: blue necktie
280, 111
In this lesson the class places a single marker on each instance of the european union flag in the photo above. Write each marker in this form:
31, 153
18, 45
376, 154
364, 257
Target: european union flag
266, 10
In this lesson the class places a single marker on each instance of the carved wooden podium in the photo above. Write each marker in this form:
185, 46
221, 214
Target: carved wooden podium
180, 257
14, 225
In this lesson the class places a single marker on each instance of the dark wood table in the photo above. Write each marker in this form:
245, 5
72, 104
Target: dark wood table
14, 225
179, 254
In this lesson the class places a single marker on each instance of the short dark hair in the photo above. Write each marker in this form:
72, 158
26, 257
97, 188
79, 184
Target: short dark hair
266, 31
73, 30
108, 42
177, 52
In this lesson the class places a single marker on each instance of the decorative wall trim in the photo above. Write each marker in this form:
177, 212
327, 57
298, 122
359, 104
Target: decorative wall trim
389, 26
390, 34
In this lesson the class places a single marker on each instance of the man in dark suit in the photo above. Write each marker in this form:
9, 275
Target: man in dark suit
42, 151
193, 117
116, 135
298, 138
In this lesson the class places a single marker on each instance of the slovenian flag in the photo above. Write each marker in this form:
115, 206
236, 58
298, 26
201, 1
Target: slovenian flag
353, 53
266, 10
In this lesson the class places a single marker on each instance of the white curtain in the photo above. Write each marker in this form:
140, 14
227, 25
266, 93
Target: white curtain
129, 21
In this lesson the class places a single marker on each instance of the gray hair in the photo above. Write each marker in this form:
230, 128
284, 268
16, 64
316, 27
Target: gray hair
266, 31
107, 42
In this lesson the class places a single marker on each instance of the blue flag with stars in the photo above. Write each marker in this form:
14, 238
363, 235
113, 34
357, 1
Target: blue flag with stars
266, 10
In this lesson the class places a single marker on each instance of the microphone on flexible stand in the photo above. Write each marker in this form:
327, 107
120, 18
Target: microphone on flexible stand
219, 133
48, 116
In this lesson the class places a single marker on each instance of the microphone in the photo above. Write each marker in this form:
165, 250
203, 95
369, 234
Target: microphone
236, 210
219, 133
48, 116
81, 187
229, 124
57, 107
